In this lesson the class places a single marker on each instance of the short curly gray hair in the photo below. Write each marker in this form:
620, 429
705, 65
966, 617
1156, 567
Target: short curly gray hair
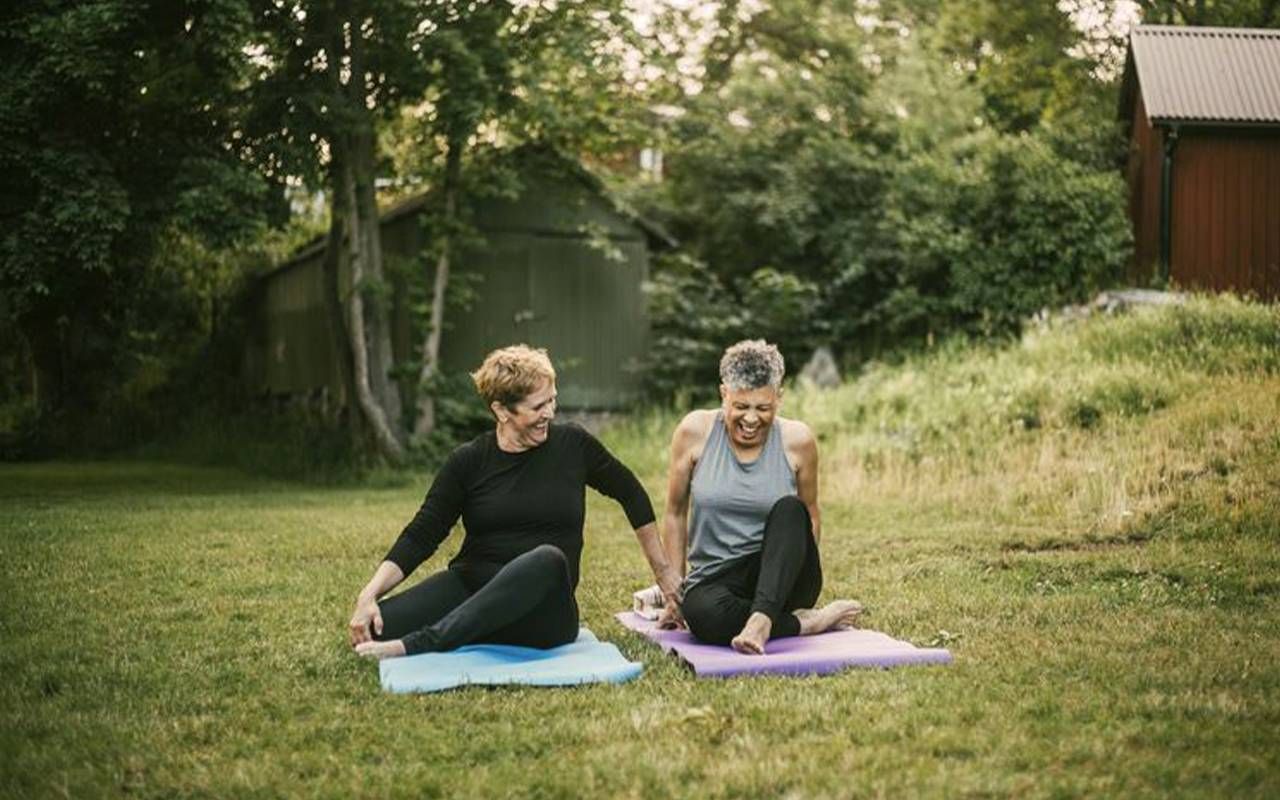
752, 364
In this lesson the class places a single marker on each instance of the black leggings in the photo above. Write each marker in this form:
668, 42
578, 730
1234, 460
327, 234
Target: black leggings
786, 574
528, 601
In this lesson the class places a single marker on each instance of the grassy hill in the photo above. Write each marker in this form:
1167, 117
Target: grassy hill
1089, 519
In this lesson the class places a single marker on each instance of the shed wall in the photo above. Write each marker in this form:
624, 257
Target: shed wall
292, 349
558, 269
1226, 211
562, 294
1145, 155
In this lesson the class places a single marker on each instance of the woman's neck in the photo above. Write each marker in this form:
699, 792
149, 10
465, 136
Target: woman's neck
508, 443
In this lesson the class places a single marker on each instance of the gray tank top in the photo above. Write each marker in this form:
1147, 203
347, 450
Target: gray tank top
731, 500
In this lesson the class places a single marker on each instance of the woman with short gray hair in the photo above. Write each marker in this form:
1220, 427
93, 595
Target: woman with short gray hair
742, 505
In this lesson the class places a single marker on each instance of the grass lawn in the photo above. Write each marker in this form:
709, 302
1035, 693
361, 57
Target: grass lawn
1089, 519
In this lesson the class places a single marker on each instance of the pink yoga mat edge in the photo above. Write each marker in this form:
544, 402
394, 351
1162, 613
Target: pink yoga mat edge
808, 655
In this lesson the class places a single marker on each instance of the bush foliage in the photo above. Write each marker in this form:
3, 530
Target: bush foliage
874, 210
970, 239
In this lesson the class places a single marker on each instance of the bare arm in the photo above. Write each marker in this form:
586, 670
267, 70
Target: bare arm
685, 444
802, 448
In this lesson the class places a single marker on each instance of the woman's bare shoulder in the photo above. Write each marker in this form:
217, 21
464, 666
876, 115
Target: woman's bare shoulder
693, 430
695, 424
795, 433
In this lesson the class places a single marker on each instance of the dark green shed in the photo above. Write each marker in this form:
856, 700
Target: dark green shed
561, 267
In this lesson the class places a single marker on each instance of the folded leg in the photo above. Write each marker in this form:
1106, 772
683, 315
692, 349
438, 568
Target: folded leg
786, 574
529, 602
790, 572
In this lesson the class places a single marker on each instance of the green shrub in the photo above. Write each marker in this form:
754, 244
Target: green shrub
694, 316
460, 416
1044, 232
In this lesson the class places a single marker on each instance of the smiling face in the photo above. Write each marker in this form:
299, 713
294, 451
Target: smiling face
748, 413
524, 424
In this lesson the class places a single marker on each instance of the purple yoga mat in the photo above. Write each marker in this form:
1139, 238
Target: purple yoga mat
796, 655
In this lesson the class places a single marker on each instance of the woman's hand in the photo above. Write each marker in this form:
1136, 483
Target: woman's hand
366, 622
670, 618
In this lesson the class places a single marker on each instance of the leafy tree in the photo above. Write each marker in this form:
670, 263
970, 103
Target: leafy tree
979, 227
694, 317
776, 161
939, 171
1229, 13
546, 73
1046, 231
1015, 54
336, 75
113, 137
328, 72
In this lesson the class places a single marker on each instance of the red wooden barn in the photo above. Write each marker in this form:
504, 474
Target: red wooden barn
1202, 106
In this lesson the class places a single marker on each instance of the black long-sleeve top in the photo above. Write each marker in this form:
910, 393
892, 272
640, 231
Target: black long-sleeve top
512, 502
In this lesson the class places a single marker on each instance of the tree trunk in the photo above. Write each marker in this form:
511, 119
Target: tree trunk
339, 338
426, 420
377, 308
348, 233
356, 233
44, 340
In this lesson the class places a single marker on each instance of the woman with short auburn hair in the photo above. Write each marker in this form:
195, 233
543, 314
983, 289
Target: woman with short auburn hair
742, 500
520, 493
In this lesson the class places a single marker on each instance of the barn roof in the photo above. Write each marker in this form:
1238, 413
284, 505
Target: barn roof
1205, 75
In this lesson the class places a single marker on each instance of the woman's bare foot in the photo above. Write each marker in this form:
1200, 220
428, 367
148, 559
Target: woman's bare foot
754, 634
837, 615
381, 650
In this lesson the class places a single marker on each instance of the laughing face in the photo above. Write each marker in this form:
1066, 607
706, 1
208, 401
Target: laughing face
748, 413
526, 422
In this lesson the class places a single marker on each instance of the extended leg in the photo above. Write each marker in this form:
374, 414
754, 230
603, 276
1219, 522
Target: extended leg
528, 602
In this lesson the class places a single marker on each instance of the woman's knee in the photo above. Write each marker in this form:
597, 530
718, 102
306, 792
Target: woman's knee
547, 558
547, 554
789, 518
790, 506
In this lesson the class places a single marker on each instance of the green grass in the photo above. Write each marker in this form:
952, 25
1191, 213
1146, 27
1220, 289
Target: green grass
1108, 581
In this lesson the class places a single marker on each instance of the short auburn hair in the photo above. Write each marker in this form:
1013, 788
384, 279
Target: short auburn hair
510, 374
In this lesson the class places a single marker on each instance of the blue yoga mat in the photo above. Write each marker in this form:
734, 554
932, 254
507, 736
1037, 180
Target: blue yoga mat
587, 660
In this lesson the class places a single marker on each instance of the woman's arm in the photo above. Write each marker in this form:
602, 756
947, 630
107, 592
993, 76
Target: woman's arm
612, 478
438, 514
686, 446
667, 575
688, 435
366, 622
419, 539
802, 450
